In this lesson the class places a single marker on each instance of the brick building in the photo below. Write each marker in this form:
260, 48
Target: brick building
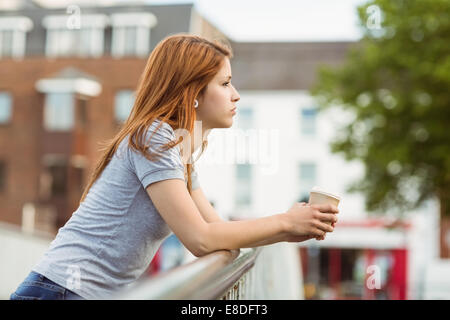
63, 89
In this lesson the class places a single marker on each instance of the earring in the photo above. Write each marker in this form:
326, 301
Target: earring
195, 103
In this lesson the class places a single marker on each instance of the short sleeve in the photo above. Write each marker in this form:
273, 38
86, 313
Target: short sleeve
167, 164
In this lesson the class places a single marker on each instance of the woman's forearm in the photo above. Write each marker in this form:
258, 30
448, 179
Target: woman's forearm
245, 233
298, 224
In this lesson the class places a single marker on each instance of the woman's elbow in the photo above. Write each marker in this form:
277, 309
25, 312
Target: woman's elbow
199, 250
202, 245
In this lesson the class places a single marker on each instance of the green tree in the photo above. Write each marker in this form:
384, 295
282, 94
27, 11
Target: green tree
395, 82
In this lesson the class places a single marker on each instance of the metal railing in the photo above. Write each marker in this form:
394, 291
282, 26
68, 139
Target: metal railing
270, 272
219, 275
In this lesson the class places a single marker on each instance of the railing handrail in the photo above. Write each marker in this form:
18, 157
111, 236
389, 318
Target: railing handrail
207, 277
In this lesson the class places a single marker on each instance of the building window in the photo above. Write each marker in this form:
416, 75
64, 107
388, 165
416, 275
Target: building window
58, 173
6, 43
2, 175
131, 33
308, 121
123, 104
55, 176
85, 41
13, 36
308, 177
59, 111
245, 118
243, 191
5, 107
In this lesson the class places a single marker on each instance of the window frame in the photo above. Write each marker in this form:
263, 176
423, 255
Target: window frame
19, 25
92, 24
48, 114
304, 124
11, 104
143, 22
132, 93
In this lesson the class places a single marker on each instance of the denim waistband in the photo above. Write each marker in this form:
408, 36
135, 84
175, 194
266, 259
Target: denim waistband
37, 280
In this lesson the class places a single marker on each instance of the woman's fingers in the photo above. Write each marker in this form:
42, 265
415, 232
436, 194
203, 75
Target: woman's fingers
319, 233
316, 221
326, 222
329, 208
327, 217
324, 226
321, 237
322, 229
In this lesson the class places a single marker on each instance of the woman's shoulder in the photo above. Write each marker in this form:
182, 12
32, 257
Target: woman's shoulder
161, 128
158, 131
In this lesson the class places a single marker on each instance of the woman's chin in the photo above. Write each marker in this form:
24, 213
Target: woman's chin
224, 125
230, 124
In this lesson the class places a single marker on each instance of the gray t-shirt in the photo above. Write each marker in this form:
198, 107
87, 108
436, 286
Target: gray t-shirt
113, 235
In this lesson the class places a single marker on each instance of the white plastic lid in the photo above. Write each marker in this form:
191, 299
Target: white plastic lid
320, 190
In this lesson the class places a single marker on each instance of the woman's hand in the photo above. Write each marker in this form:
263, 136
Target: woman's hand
310, 221
323, 237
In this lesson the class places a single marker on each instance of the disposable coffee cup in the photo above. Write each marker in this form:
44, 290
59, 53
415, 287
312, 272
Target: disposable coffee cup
319, 196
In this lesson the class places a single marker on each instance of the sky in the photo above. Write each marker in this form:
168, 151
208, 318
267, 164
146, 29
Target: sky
284, 20
269, 20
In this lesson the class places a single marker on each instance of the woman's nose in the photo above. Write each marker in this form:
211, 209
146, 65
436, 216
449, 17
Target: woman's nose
237, 96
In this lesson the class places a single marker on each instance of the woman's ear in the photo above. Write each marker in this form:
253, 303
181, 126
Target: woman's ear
201, 95
199, 99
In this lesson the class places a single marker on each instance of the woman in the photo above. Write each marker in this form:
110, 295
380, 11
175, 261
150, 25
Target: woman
144, 186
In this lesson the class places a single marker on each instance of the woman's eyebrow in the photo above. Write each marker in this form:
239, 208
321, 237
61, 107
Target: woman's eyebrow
228, 78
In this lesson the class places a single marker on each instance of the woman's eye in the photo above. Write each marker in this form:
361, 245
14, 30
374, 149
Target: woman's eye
226, 83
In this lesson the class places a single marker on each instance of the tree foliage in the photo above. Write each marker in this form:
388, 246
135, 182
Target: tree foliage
396, 81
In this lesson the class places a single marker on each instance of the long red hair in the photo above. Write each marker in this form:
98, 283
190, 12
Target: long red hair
177, 71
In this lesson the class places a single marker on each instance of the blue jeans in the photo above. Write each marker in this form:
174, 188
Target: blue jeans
38, 287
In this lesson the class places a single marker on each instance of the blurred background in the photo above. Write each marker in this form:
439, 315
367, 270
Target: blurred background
351, 96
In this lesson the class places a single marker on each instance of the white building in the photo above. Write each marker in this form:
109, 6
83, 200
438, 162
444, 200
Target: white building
277, 150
